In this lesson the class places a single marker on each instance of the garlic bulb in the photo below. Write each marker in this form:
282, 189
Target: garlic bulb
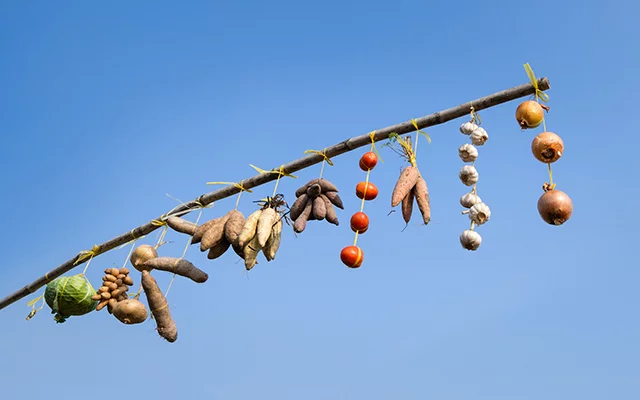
479, 137
468, 175
468, 127
479, 213
468, 152
470, 240
469, 200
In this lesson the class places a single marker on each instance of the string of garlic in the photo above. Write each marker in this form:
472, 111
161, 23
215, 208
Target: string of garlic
479, 213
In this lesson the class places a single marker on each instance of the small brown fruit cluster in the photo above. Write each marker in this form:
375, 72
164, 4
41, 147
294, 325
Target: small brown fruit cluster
115, 284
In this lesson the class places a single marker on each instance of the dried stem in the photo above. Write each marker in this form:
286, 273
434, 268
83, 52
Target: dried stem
293, 166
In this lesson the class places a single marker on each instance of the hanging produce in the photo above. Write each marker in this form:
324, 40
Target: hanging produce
316, 200
159, 307
353, 256
70, 295
115, 285
554, 206
411, 185
478, 212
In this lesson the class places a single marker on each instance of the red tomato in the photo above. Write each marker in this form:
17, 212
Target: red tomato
352, 256
371, 191
360, 222
368, 161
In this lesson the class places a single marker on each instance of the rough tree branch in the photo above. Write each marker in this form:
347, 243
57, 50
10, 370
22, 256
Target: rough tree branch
293, 166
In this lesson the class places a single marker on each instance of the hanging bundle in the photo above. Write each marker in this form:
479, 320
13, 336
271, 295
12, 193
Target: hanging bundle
70, 295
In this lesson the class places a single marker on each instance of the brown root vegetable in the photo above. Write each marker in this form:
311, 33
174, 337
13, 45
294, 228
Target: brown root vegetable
251, 251
96, 297
218, 249
159, 308
547, 147
202, 229
273, 244
301, 222
238, 250
233, 226
103, 289
405, 183
298, 206
128, 281
314, 190
114, 271
249, 228
124, 270
421, 192
118, 282
102, 304
109, 278
111, 285
555, 207
265, 225
119, 291
130, 311
407, 206
331, 215
213, 235
142, 254
178, 266
335, 199
319, 209
325, 185
182, 225
105, 295
110, 304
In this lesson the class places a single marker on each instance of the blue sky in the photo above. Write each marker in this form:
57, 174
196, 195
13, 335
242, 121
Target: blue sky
105, 109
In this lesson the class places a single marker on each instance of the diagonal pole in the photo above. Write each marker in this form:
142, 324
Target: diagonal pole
348, 145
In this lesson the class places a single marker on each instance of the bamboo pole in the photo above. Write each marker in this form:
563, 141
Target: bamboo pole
293, 166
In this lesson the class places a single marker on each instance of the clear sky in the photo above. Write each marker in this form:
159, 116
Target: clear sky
107, 108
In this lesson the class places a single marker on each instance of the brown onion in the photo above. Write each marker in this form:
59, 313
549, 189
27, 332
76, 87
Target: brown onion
142, 254
547, 147
555, 207
529, 114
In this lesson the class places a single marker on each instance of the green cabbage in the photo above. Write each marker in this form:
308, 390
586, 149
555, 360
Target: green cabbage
70, 295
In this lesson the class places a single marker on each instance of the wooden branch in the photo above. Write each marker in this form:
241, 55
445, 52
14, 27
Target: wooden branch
293, 166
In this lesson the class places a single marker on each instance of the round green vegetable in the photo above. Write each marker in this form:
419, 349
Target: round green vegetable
70, 295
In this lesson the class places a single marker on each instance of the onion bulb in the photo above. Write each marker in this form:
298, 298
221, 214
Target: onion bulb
555, 207
142, 254
547, 147
529, 114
